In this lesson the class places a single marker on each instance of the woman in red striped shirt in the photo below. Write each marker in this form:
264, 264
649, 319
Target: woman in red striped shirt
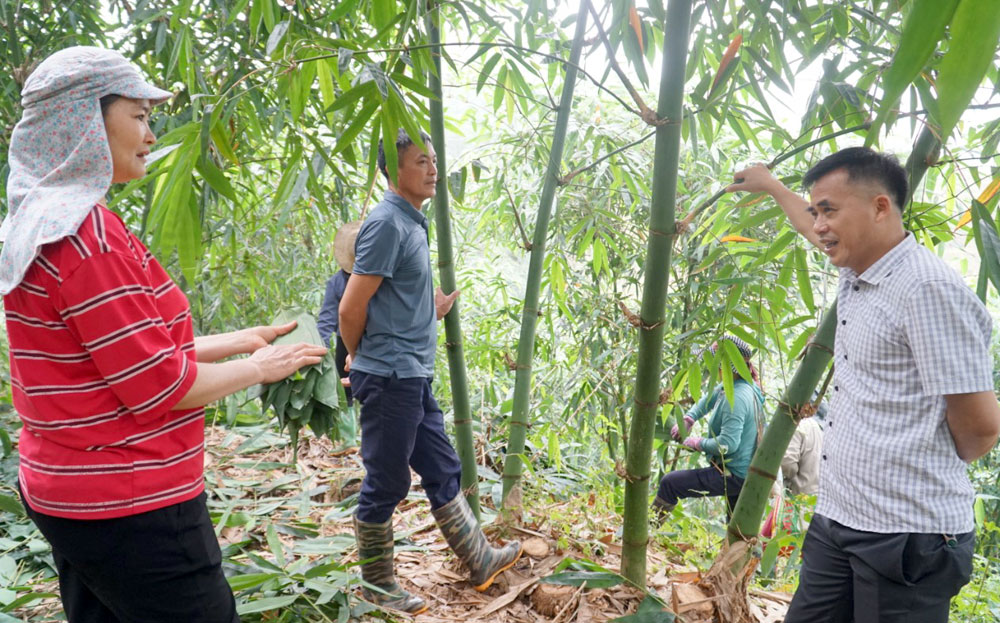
106, 373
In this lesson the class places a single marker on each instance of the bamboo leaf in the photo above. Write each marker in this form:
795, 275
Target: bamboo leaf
802, 276
341, 9
988, 242
274, 39
732, 358
256, 12
250, 580
390, 129
274, 544
413, 85
383, 12
498, 90
268, 603
267, 14
324, 77
636, 23
724, 70
694, 379
594, 579
357, 124
216, 179
221, 142
922, 29
363, 90
11, 505
484, 74
975, 30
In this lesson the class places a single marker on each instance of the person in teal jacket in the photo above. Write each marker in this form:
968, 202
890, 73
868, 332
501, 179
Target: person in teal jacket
732, 437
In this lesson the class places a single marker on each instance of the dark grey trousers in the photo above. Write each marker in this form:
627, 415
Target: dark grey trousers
865, 577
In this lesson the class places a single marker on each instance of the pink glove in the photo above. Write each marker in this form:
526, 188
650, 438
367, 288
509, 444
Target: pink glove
693, 442
675, 432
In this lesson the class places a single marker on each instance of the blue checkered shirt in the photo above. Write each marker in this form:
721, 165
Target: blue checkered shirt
909, 332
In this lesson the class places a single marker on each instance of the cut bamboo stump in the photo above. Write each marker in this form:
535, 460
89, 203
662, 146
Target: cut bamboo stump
550, 599
692, 602
727, 582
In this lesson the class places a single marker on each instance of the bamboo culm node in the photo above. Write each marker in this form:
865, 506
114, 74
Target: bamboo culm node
765, 474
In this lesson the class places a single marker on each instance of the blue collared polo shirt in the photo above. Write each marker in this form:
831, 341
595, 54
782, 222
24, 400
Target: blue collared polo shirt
400, 335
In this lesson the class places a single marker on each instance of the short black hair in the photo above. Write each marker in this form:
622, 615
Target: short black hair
864, 164
403, 141
107, 101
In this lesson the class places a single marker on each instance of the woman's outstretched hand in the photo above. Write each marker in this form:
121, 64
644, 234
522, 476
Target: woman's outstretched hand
279, 362
259, 337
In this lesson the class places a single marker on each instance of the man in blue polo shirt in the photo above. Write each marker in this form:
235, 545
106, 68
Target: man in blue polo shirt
388, 321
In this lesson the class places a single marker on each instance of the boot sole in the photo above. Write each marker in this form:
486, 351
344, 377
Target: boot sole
485, 585
420, 610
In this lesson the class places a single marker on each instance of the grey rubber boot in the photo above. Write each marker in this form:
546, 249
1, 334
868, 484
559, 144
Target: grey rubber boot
467, 540
375, 541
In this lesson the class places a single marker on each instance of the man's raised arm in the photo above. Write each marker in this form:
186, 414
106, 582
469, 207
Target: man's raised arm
758, 179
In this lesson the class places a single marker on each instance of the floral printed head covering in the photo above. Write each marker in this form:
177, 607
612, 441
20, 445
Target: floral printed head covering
60, 162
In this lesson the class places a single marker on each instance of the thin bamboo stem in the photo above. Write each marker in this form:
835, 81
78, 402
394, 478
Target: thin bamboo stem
446, 267
644, 112
659, 245
745, 522
686, 221
513, 466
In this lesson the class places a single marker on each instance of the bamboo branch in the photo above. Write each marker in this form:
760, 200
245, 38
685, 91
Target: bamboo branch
644, 112
526, 244
566, 179
684, 223
481, 44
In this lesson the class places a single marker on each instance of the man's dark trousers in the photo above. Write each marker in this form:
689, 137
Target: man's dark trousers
402, 427
865, 577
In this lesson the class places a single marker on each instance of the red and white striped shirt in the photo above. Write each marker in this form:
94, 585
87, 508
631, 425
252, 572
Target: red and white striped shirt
101, 348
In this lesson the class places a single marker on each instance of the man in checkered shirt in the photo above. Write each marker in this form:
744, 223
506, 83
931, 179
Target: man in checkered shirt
892, 538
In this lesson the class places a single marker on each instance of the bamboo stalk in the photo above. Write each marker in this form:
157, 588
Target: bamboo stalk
446, 267
657, 274
745, 522
529, 317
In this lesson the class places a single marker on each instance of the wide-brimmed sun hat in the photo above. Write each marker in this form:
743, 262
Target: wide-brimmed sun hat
343, 245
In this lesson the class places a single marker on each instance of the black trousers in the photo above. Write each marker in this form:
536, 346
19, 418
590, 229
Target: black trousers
402, 427
163, 566
698, 483
848, 575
